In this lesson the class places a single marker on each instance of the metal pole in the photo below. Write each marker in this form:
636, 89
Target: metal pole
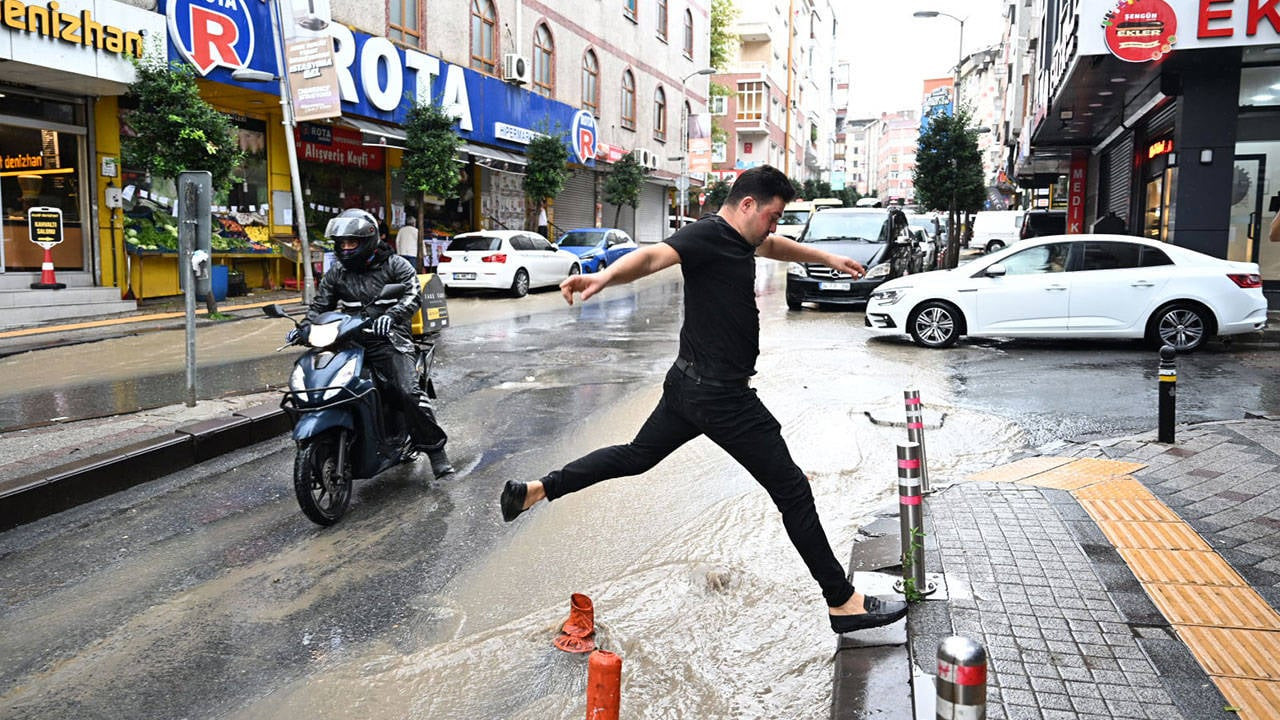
186, 246
1168, 392
962, 679
286, 106
915, 433
911, 523
684, 156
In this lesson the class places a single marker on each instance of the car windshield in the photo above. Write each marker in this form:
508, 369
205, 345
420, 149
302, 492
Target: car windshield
582, 238
923, 223
794, 217
869, 227
475, 242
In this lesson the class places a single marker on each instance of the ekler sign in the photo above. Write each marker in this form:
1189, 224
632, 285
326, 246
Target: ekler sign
376, 78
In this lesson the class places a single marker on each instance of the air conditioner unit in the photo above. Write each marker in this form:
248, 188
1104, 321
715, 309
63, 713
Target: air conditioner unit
515, 69
643, 157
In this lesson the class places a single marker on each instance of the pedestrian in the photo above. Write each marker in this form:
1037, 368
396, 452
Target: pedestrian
1109, 224
407, 243
706, 391
542, 220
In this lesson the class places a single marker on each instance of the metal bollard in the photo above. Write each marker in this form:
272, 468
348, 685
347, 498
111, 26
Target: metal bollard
962, 679
604, 685
1168, 392
915, 433
911, 523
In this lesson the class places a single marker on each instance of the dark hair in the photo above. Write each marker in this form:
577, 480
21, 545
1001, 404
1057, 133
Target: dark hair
764, 183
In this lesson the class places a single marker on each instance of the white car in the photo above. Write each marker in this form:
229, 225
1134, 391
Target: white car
1077, 286
511, 260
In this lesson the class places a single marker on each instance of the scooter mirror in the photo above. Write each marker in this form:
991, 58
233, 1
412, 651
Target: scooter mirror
391, 290
274, 311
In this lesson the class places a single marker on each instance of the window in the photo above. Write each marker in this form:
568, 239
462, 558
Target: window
484, 50
1121, 256
1039, 260
660, 115
522, 242
662, 20
543, 61
751, 101
591, 82
629, 9
402, 26
688, 34
717, 104
628, 100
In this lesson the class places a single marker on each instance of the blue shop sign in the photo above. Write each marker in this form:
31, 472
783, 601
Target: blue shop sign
377, 79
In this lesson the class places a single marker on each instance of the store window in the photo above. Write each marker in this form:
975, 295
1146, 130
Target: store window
339, 172
591, 82
1159, 189
484, 48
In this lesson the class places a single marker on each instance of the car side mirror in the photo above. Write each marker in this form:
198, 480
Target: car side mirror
995, 270
553, 247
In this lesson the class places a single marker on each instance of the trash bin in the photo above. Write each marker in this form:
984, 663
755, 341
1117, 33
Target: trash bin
220, 274
236, 285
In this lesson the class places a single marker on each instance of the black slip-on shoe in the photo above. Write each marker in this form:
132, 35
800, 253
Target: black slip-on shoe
513, 495
440, 465
878, 612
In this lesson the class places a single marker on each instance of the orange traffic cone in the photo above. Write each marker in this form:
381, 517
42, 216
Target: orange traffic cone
47, 280
575, 636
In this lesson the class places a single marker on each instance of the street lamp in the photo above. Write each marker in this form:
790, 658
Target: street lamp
959, 50
953, 242
286, 106
684, 138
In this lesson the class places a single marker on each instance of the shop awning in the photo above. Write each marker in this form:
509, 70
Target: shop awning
492, 154
378, 134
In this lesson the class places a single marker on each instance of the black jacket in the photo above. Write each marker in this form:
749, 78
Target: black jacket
347, 291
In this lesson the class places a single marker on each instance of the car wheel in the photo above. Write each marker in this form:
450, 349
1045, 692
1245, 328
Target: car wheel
574, 269
934, 324
520, 284
794, 304
1182, 325
994, 245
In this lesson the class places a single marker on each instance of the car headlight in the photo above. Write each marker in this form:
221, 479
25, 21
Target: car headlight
890, 296
797, 269
879, 271
340, 380
591, 255
297, 381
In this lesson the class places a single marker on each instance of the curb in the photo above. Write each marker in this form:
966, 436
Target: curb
31, 497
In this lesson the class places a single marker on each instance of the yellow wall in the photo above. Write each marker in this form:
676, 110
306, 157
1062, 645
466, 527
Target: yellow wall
110, 222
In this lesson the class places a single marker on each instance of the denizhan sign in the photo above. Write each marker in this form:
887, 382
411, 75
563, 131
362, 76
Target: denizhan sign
376, 78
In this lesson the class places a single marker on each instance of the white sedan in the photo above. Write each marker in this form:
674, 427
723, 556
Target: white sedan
1077, 286
511, 260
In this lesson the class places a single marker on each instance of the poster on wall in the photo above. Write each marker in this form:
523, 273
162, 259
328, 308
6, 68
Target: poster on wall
308, 48
700, 143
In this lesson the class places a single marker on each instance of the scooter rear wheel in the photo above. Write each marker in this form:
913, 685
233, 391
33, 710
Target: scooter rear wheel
323, 490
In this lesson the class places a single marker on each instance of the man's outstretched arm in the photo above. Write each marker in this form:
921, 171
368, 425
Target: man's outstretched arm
632, 266
778, 247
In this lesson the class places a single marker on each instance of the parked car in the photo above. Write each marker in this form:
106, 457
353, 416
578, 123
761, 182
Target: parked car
930, 243
794, 217
1038, 223
1077, 286
879, 238
996, 229
597, 248
512, 260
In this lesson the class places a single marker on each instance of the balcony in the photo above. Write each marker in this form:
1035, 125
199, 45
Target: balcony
751, 127
757, 31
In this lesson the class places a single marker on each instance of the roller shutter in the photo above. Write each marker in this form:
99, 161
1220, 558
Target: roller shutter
575, 206
1118, 175
651, 215
626, 218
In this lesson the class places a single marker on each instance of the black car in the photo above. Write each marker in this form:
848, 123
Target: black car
879, 238
1038, 223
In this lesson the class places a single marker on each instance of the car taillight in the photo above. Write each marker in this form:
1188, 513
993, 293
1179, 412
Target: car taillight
1246, 280
495, 258
445, 259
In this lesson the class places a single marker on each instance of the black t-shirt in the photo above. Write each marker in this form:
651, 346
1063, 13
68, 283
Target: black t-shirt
721, 331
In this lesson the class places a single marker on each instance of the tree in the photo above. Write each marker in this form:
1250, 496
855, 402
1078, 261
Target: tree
623, 185
545, 173
949, 172
716, 193
430, 164
175, 129
723, 41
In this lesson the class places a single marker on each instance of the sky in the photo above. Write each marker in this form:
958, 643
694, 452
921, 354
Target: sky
892, 52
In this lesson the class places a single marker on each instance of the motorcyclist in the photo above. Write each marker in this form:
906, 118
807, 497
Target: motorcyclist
366, 264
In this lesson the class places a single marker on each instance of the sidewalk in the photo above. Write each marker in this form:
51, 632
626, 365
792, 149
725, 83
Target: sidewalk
1114, 579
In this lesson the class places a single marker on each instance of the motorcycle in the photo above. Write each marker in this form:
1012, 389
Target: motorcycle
342, 428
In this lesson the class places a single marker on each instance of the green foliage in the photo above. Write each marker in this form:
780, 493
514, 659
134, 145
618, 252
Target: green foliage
716, 88
175, 129
716, 193
723, 41
949, 166
623, 184
546, 171
849, 195
430, 163
799, 188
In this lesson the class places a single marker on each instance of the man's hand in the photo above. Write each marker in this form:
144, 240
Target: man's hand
298, 334
382, 325
588, 285
848, 266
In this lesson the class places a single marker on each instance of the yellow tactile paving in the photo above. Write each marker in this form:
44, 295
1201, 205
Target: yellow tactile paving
1152, 535
1102, 466
1062, 481
1149, 510
1231, 652
1082, 473
1235, 606
1018, 470
1119, 489
1251, 698
1180, 566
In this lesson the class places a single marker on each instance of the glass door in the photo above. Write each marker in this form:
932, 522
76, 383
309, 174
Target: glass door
1247, 195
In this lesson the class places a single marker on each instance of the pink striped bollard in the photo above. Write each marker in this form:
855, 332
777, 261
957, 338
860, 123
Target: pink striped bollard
911, 523
962, 679
915, 433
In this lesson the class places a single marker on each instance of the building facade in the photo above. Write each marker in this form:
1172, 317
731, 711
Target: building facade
897, 137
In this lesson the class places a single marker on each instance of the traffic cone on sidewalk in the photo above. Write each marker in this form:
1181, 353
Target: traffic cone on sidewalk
47, 280
575, 635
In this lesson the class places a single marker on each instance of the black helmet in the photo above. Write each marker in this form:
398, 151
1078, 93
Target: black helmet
362, 226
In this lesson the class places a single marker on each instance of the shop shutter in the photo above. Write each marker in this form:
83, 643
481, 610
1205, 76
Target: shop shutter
576, 204
1161, 122
1119, 177
651, 215
626, 219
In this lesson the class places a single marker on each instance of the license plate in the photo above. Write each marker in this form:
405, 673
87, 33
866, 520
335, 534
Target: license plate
464, 276
844, 286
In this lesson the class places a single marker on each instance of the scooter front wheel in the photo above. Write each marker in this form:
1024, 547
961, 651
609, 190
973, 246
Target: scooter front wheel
323, 488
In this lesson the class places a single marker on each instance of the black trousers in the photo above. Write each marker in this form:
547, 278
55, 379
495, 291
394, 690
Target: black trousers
393, 371
733, 418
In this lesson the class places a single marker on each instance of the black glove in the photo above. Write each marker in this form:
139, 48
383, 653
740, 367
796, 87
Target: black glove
382, 325
298, 334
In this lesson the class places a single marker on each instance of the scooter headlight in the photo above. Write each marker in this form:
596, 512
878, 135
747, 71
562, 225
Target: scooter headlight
340, 380
297, 381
